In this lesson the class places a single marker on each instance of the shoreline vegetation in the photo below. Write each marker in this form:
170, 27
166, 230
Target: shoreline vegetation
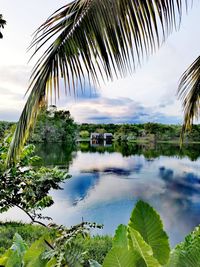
147, 141
58, 126
132, 244
96, 246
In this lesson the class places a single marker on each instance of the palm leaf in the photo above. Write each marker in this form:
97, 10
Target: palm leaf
2, 24
189, 93
91, 39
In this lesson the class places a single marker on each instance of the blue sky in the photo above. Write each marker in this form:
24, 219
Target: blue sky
147, 95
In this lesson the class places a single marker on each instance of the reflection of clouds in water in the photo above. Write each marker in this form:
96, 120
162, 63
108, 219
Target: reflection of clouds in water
105, 187
110, 190
90, 161
77, 188
186, 184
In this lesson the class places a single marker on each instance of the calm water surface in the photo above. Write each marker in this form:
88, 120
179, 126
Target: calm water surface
107, 182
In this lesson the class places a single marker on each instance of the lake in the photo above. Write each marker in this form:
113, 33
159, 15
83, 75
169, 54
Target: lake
107, 181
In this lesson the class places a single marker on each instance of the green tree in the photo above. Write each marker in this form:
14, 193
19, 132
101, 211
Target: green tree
2, 24
54, 126
84, 134
92, 39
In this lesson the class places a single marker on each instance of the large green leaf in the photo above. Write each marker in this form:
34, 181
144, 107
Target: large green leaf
120, 238
13, 257
120, 257
51, 263
14, 260
147, 222
19, 245
4, 258
33, 256
140, 247
187, 253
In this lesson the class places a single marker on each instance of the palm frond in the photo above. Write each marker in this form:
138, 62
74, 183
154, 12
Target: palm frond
2, 24
93, 39
189, 93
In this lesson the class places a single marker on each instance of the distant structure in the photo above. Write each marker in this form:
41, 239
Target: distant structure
108, 137
51, 110
96, 138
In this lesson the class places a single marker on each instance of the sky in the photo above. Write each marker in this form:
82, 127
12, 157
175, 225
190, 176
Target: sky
147, 95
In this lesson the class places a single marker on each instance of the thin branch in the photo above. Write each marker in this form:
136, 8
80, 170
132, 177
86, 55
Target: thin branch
30, 216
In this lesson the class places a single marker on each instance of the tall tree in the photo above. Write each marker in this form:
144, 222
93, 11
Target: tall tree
92, 39
2, 24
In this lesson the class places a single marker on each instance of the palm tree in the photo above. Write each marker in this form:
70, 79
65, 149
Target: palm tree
93, 39
2, 24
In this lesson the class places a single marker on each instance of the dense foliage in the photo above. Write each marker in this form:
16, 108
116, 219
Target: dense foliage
144, 243
143, 132
4, 126
96, 246
141, 243
25, 186
54, 126
58, 127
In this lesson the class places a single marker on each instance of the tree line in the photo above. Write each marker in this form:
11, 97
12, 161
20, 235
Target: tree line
143, 132
58, 126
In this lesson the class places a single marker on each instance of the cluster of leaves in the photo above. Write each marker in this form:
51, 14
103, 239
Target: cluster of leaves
141, 243
29, 232
4, 126
144, 243
187, 253
24, 186
58, 250
53, 126
96, 246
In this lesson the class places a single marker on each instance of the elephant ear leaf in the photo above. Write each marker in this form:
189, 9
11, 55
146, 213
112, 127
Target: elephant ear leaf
187, 253
33, 256
145, 220
14, 255
120, 257
140, 248
120, 238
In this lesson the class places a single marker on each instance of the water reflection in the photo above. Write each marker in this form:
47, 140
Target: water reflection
107, 181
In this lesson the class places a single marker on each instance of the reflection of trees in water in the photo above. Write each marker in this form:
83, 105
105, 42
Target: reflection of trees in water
62, 154
56, 154
149, 150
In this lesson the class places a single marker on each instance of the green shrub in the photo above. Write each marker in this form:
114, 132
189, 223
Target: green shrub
28, 232
97, 247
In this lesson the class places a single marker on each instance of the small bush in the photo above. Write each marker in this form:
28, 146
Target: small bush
28, 232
